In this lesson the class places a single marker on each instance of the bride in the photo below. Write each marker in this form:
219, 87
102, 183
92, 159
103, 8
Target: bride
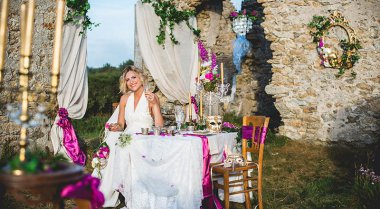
135, 111
131, 112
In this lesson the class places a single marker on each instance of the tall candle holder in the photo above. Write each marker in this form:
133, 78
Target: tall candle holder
45, 185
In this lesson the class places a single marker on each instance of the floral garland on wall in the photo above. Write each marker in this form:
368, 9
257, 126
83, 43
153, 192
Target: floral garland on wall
170, 16
320, 26
79, 8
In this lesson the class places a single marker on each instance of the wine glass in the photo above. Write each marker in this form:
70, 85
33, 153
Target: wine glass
147, 87
179, 116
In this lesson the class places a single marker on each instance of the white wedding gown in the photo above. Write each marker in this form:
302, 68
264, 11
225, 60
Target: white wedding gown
135, 118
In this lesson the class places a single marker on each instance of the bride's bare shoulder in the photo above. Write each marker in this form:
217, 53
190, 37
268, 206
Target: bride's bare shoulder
124, 98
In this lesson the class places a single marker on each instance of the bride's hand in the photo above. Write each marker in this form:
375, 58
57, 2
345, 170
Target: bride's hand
151, 97
115, 127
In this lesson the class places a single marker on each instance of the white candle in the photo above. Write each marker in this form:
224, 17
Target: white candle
3, 35
29, 28
60, 12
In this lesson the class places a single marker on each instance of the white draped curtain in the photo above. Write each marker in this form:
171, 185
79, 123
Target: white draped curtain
73, 88
173, 68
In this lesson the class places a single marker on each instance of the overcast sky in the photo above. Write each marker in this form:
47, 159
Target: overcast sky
113, 40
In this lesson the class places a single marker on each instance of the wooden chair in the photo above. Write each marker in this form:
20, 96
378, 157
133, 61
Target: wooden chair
82, 204
260, 125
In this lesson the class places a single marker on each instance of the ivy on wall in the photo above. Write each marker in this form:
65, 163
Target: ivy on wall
77, 14
169, 16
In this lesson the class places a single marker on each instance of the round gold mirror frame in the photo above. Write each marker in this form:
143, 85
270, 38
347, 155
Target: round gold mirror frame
329, 58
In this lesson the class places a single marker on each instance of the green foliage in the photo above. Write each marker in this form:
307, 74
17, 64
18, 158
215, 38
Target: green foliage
275, 140
233, 118
170, 16
320, 24
367, 189
103, 85
91, 126
37, 161
210, 86
78, 9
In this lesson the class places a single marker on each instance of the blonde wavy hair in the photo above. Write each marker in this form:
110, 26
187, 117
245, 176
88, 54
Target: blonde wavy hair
123, 83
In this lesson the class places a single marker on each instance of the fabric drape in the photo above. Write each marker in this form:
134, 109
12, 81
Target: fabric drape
173, 67
73, 88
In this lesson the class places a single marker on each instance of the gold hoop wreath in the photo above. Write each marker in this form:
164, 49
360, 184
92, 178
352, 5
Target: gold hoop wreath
320, 27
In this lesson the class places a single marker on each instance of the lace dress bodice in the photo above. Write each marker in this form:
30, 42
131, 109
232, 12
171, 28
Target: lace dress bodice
137, 118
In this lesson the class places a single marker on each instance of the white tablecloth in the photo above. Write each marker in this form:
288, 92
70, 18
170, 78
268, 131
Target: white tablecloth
164, 171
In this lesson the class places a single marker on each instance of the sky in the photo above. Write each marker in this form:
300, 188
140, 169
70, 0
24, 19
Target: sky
113, 40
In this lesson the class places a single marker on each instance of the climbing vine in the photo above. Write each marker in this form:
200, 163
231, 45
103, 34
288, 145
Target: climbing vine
77, 14
169, 16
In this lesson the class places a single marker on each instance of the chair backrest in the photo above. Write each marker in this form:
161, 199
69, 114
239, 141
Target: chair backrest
259, 126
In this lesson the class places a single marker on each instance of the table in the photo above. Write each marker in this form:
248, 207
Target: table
165, 171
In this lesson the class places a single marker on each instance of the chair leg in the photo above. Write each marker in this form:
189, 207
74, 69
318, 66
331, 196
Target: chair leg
245, 184
260, 190
226, 179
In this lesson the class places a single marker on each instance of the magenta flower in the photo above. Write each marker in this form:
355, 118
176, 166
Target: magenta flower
213, 61
194, 102
244, 12
321, 44
202, 52
254, 13
209, 76
107, 126
217, 75
234, 14
228, 125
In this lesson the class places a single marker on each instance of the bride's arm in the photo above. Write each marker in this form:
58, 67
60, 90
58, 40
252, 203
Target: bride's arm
155, 109
119, 126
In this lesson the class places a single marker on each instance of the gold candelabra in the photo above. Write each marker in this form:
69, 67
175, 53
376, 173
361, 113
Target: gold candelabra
27, 13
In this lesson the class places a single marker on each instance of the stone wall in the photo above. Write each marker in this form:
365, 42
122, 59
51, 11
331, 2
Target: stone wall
40, 69
313, 103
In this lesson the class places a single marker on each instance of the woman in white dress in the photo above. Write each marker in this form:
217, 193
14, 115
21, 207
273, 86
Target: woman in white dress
137, 109
132, 86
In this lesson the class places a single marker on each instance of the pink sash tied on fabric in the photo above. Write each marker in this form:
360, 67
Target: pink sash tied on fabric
247, 132
210, 201
87, 188
70, 141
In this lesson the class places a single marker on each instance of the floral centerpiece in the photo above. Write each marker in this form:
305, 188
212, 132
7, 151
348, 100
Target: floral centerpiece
209, 75
241, 14
100, 157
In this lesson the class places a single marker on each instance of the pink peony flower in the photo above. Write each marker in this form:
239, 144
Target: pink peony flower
107, 126
217, 75
244, 12
321, 44
234, 14
209, 76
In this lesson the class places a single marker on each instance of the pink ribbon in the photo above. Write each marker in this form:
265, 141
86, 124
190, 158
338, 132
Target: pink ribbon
70, 141
87, 188
210, 201
247, 133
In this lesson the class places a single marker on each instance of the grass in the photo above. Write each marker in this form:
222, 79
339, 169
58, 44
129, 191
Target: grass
296, 174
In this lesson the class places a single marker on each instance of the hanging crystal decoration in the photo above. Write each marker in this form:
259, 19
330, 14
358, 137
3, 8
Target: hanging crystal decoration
241, 25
